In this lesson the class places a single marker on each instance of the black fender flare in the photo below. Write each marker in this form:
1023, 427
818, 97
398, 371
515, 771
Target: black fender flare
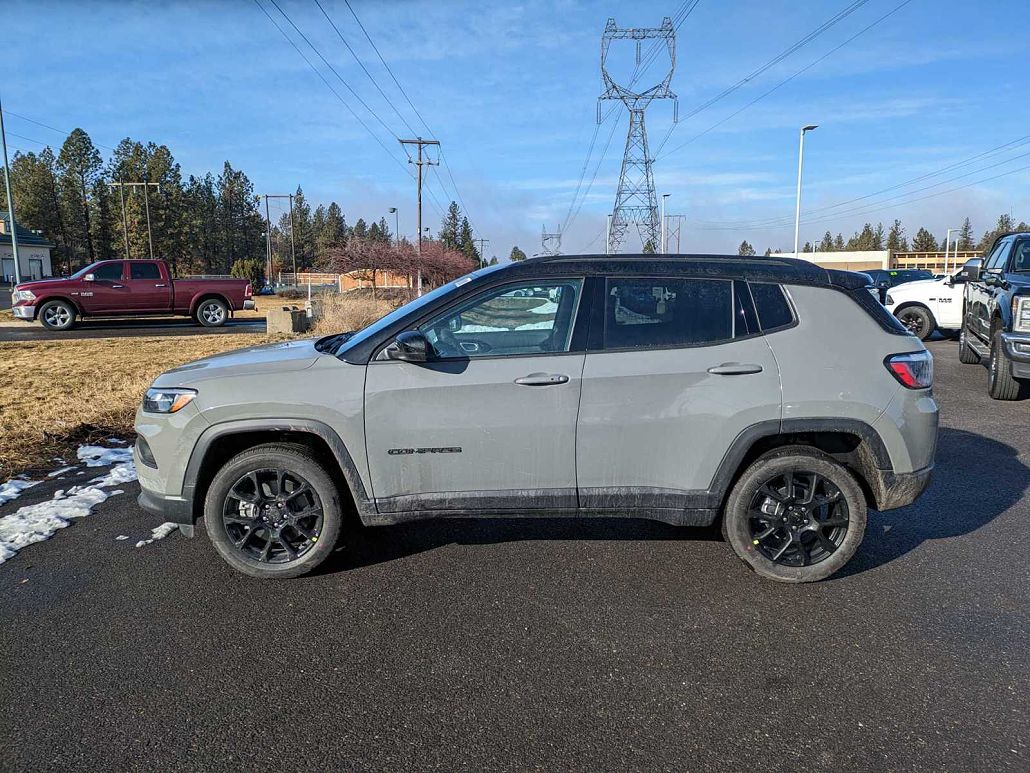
195, 466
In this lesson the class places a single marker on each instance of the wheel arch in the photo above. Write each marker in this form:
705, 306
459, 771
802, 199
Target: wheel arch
41, 302
221, 442
208, 295
852, 442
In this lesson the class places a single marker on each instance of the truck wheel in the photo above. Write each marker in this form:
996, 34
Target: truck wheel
57, 315
273, 511
965, 354
918, 320
795, 515
212, 313
1000, 384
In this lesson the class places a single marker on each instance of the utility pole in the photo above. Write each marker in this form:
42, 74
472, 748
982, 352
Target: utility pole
482, 250
420, 163
268, 223
125, 223
146, 205
10, 201
268, 243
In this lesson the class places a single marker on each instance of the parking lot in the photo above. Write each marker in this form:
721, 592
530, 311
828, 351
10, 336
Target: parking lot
513, 644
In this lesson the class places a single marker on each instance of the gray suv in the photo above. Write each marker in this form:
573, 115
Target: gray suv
774, 395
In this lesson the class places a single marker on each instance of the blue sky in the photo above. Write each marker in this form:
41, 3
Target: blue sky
510, 89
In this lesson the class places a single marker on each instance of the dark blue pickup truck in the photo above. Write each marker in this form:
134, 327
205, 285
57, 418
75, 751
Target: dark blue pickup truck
996, 315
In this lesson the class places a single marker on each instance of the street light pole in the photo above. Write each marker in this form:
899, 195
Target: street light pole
947, 248
10, 201
396, 225
801, 162
608, 236
664, 238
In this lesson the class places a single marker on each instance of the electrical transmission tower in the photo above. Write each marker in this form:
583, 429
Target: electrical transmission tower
635, 201
673, 232
550, 242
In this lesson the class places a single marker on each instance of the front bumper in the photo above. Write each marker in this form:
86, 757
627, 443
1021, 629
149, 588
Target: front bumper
173, 509
249, 305
28, 313
1017, 349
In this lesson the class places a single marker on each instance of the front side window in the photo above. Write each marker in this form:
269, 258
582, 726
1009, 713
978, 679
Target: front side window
525, 318
108, 272
145, 271
667, 312
998, 257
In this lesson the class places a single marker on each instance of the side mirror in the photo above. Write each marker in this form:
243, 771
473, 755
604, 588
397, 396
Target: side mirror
409, 346
89, 278
970, 270
884, 285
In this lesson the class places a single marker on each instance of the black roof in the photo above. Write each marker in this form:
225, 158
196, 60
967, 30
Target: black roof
755, 269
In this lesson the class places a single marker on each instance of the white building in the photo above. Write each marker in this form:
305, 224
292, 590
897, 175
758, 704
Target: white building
33, 253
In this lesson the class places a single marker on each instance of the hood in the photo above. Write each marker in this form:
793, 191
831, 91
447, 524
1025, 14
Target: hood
268, 358
918, 283
41, 284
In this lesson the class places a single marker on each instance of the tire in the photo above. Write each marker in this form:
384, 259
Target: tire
1000, 384
243, 512
212, 312
749, 515
965, 354
57, 315
919, 321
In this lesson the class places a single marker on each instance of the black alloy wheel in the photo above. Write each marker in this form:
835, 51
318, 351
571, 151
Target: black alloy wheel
797, 518
917, 321
272, 516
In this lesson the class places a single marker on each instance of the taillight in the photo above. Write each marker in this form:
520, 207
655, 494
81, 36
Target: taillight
913, 370
247, 291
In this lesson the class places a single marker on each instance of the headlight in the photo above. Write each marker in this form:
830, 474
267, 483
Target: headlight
1021, 314
888, 301
167, 400
23, 295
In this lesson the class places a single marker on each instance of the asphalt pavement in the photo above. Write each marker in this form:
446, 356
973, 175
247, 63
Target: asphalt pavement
504, 645
128, 327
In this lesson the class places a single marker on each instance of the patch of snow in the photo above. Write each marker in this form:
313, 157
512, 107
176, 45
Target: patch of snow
120, 537
61, 471
160, 532
12, 489
545, 308
99, 456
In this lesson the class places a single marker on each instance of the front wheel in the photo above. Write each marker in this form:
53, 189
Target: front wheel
273, 511
918, 320
57, 315
212, 313
795, 515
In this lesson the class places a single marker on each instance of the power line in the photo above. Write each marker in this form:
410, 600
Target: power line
797, 46
333, 90
781, 83
51, 128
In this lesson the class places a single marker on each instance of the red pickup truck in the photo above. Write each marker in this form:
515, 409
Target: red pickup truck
118, 288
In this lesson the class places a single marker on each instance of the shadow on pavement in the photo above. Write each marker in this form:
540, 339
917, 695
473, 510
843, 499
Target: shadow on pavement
975, 480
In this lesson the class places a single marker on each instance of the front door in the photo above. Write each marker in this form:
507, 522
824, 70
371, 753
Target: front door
681, 373
107, 293
489, 423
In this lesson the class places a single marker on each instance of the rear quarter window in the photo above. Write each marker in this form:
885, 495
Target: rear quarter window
772, 307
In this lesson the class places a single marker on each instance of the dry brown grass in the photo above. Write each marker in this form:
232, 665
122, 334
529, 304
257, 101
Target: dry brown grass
54, 394
338, 313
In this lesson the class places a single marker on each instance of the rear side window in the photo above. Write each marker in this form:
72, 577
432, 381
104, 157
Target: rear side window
145, 271
667, 312
772, 306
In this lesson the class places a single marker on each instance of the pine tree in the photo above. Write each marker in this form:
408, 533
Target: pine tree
493, 261
826, 245
807, 247
768, 251
878, 237
649, 248
467, 242
924, 241
79, 165
1004, 225
516, 254
360, 230
384, 231
450, 227
896, 241
838, 243
745, 248
965, 235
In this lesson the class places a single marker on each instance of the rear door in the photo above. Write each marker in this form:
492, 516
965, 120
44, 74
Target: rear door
149, 289
681, 370
983, 294
107, 293
490, 421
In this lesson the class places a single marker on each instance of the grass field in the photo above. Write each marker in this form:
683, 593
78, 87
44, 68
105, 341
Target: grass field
54, 394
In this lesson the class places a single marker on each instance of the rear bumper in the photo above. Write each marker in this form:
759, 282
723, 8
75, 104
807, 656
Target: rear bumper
248, 305
899, 489
28, 313
1017, 349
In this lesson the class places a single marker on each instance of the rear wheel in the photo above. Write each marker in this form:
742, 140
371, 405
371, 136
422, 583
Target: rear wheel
918, 320
1000, 383
965, 353
57, 315
795, 515
212, 313
273, 511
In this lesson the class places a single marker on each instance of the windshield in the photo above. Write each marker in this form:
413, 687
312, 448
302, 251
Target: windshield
402, 311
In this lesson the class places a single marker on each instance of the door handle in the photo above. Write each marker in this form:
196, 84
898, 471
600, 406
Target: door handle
542, 379
117, 287
735, 369
160, 285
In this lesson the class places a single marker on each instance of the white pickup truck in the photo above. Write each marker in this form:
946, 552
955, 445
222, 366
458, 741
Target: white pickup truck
928, 305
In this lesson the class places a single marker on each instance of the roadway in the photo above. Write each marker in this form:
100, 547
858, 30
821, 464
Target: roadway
548, 644
16, 330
